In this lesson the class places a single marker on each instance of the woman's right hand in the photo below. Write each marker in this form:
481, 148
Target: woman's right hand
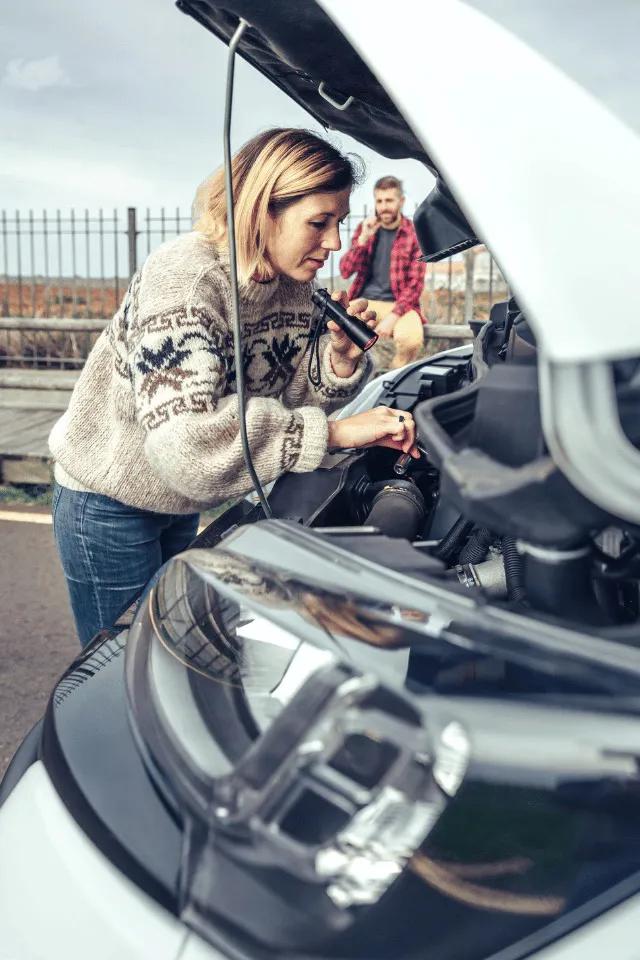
381, 427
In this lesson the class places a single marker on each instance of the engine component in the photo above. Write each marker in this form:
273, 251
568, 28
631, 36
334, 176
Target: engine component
493, 464
489, 576
514, 570
438, 377
402, 464
560, 582
477, 546
450, 544
398, 510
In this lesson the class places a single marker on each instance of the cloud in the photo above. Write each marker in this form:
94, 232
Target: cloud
62, 176
35, 74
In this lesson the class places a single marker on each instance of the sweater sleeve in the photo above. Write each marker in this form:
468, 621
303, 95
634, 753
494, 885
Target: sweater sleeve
333, 392
356, 258
181, 361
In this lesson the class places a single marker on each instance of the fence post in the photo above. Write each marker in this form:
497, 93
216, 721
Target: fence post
469, 289
132, 237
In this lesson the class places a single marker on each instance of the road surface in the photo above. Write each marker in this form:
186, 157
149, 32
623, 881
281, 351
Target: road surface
37, 636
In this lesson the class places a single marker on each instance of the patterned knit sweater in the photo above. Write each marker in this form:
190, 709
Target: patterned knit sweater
153, 419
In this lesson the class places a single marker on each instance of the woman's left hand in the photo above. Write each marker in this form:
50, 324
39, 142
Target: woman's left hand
344, 353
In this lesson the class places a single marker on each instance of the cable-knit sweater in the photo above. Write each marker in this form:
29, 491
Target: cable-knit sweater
153, 419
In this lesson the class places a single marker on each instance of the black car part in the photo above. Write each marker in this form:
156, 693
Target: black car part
441, 227
309, 58
358, 819
327, 821
398, 510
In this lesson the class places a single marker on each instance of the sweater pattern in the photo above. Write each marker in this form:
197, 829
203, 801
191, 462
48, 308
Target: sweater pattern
153, 420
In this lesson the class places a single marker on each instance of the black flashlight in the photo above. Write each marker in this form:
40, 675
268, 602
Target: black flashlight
357, 330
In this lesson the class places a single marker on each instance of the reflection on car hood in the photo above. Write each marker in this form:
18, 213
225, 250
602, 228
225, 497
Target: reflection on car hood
306, 584
351, 766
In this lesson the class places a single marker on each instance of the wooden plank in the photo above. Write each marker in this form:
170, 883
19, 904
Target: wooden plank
38, 379
60, 324
25, 470
13, 424
24, 432
432, 331
14, 399
447, 331
33, 445
33, 440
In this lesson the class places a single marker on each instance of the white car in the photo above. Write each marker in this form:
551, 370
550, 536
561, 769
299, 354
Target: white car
398, 720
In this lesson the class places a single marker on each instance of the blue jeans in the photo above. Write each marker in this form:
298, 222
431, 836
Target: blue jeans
110, 551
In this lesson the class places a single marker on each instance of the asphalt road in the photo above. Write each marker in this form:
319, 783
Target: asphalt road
37, 636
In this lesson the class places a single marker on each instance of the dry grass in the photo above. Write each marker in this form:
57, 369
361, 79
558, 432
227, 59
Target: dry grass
61, 298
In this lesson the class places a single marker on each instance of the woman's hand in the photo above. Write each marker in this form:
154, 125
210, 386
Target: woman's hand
344, 353
381, 427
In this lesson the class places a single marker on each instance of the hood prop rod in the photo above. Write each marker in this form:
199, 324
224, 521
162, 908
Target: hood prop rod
235, 300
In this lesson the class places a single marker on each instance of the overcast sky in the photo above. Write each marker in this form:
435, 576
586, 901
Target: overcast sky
121, 104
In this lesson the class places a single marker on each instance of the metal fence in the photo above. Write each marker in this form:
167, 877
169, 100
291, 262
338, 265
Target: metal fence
76, 266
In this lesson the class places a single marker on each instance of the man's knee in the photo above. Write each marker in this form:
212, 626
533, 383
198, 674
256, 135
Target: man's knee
408, 336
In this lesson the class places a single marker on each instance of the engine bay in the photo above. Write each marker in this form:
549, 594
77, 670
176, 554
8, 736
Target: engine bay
484, 501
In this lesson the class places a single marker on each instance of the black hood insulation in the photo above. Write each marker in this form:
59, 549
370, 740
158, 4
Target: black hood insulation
298, 47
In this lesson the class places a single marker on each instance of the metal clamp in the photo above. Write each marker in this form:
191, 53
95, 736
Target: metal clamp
334, 103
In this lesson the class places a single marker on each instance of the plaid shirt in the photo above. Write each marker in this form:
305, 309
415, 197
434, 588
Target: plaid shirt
406, 272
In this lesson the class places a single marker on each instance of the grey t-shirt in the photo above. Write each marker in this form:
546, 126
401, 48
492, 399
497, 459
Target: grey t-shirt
377, 286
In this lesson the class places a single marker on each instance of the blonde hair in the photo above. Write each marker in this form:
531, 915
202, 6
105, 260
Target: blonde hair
273, 170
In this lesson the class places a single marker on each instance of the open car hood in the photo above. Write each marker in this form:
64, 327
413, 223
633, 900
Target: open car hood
527, 111
300, 49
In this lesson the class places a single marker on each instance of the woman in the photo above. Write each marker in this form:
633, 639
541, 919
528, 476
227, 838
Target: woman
151, 435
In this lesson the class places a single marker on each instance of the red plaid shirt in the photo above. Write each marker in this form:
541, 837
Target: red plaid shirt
406, 272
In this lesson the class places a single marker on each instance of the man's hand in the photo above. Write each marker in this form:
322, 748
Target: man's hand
344, 353
385, 327
370, 227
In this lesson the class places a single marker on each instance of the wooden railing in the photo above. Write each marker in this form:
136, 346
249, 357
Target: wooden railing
47, 352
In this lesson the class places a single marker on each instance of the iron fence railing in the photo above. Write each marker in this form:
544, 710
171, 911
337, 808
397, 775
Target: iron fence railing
76, 266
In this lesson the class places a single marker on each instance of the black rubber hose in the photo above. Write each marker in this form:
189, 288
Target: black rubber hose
398, 510
477, 546
450, 545
514, 570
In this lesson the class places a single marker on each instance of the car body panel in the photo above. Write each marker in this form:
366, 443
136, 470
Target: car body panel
615, 934
86, 907
545, 170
